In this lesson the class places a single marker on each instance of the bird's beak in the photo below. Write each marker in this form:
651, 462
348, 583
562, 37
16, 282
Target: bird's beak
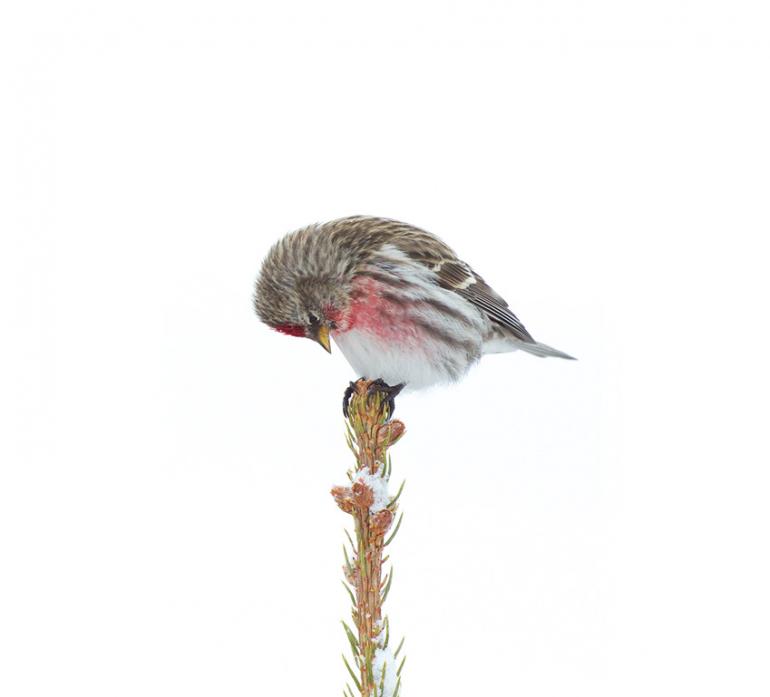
322, 337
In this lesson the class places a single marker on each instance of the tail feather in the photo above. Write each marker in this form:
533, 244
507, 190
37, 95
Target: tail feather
501, 341
538, 349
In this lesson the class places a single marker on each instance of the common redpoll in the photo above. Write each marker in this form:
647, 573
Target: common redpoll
397, 301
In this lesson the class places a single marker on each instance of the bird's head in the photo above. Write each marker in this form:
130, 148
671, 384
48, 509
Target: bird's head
299, 301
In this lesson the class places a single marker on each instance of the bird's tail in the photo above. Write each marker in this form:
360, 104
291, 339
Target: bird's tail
538, 349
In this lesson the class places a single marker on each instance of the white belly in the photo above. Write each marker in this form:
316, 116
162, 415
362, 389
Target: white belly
417, 366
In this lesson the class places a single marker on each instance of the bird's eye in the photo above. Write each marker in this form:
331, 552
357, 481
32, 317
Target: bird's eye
311, 318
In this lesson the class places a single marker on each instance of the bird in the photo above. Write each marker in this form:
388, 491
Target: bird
396, 300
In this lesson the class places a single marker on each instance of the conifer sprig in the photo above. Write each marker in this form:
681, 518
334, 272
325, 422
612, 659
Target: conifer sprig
369, 432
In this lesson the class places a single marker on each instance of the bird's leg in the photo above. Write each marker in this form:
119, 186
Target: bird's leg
388, 392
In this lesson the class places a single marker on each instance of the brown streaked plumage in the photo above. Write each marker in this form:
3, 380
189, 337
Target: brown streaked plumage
396, 299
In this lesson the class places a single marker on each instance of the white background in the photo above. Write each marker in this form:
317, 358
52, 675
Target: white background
592, 528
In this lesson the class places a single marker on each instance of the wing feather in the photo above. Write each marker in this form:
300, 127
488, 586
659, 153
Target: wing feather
450, 272
456, 275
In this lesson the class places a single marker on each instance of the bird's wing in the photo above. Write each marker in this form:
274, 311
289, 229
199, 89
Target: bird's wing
457, 276
448, 270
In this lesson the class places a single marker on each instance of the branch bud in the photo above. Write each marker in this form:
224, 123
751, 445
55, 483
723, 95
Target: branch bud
390, 433
362, 495
343, 496
381, 521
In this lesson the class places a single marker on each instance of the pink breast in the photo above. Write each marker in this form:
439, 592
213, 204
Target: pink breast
373, 311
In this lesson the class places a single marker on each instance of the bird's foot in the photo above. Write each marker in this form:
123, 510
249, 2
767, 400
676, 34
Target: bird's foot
388, 394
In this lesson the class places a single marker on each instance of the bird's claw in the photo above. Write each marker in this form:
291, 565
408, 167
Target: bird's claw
351, 388
388, 392
388, 395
